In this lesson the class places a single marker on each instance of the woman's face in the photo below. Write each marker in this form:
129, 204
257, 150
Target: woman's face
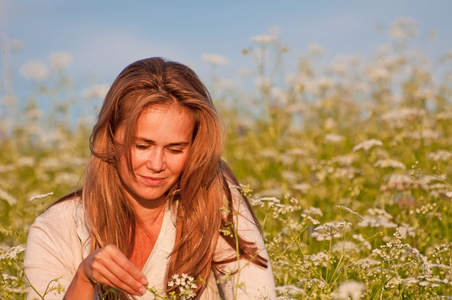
162, 143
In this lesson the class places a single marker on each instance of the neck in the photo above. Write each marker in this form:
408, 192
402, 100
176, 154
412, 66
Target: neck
149, 217
147, 211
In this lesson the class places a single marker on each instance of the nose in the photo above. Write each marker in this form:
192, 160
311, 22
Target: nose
156, 160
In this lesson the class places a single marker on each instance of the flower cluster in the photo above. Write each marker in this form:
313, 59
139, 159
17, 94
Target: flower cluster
185, 286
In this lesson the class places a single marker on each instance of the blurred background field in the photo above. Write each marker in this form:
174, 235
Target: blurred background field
345, 156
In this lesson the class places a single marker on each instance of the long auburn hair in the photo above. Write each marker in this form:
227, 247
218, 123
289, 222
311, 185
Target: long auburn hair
198, 195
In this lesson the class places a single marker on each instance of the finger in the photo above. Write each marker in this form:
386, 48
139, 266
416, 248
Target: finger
113, 275
123, 262
113, 281
110, 266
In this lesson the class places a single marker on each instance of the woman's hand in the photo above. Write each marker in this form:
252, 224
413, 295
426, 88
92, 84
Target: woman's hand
109, 266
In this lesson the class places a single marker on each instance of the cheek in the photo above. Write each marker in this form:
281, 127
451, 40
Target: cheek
179, 164
122, 168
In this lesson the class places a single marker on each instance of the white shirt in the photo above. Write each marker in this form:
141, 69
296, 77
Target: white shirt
58, 241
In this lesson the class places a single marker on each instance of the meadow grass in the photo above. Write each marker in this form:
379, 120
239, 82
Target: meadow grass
346, 165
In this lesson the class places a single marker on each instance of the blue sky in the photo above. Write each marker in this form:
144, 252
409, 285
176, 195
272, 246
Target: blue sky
104, 36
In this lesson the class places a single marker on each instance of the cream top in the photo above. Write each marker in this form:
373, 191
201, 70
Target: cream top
58, 241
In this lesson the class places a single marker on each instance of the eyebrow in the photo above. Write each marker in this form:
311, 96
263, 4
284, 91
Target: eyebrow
174, 144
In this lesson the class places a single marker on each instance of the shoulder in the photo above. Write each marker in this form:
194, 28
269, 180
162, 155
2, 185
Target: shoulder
61, 210
60, 218
62, 227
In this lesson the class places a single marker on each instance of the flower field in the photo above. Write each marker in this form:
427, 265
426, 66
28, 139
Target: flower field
346, 163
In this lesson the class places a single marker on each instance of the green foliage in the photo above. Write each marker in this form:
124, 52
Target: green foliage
349, 164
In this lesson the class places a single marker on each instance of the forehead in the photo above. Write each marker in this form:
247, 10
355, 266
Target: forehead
166, 123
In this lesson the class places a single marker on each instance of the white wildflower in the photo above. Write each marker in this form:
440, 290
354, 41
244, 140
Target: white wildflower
60, 60
426, 283
17, 290
96, 91
385, 163
360, 86
315, 50
35, 70
367, 263
377, 218
330, 230
13, 252
263, 83
394, 282
444, 115
345, 160
290, 176
399, 117
263, 39
334, 138
7, 197
68, 178
313, 282
350, 290
296, 152
7, 168
390, 62
282, 209
403, 29
185, 285
313, 211
440, 155
26, 161
310, 219
428, 179
302, 187
270, 192
228, 84
270, 201
349, 213
346, 172
37, 197
424, 134
279, 95
318, 259
215, 59
378, 73
268, 153
290, 290
34, 113
9, 277
339, 68
50, 164
367, 145
425, 93
330, 123
405, 230
402, 182
344, 246
316, 85
384, 50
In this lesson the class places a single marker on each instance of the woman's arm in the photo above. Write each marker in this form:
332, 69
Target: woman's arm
109, 266
53, 252
250, 281
54, 263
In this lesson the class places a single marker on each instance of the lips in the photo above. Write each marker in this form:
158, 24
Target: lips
153, 181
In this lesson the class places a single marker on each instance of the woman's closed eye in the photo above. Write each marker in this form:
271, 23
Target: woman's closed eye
176, 150
141, 146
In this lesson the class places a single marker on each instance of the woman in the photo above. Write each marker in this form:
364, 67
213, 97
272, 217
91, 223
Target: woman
158, 206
